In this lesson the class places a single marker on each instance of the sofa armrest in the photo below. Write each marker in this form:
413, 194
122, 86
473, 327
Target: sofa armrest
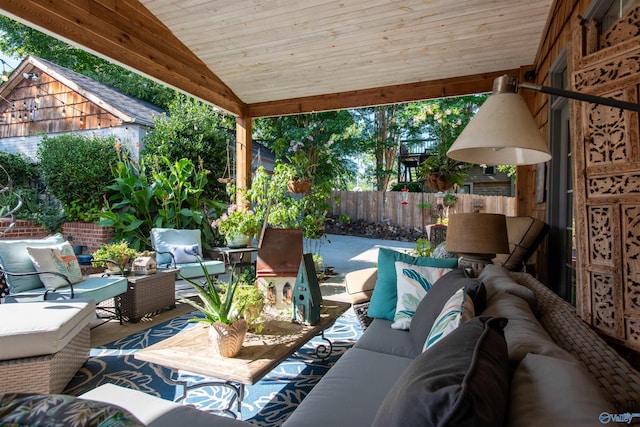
360, 284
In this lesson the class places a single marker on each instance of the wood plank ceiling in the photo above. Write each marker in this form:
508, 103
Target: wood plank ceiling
257, 58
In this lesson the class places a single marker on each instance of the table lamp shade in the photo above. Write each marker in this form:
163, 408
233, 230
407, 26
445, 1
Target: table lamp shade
480, 234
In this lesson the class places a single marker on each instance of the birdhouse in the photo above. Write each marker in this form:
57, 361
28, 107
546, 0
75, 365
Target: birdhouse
306, 297
144, 265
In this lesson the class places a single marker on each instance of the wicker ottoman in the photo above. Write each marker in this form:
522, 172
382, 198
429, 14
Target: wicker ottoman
43, 344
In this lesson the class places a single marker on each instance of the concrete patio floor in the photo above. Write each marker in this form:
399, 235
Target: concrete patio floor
342, 253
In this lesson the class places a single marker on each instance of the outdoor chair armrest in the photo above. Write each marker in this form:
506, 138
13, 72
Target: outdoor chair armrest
34, 273
172, 264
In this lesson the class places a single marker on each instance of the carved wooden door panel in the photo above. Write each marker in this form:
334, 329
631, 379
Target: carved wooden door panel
607, 177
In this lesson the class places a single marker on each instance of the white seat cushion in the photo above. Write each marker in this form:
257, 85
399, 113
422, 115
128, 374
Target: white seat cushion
39, 328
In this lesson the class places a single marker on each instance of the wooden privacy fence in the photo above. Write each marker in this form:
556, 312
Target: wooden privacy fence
379, 206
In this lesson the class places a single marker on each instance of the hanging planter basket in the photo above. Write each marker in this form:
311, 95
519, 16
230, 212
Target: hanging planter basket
227, 178
438, 182
226, 340
299, 186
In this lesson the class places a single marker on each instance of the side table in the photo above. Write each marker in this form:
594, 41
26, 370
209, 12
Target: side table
237, 257
149, 294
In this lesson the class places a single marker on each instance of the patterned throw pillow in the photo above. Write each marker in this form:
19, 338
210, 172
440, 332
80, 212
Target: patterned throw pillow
385, 297
458, 310
184, 254
413, 283
57, 258
58, 410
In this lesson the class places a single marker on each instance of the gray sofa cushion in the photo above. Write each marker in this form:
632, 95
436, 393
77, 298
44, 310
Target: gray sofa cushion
431, 305
546, 391
496, 279
351, 392
381, 338
462, 380
523, 333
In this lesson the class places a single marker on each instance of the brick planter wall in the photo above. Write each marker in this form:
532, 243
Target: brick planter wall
22, 230
87, 234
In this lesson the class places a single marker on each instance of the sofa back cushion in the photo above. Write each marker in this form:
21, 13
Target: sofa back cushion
433, 303
462, 379
166, 239
497, 280
14, 258
547, 391
384, 298
524, 334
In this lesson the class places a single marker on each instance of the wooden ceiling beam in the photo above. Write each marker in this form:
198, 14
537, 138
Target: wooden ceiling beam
125, 32
441, 88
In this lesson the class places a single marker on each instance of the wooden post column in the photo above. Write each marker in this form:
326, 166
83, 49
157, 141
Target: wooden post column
243, 155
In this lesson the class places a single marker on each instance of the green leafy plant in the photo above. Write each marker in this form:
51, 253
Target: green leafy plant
73, 168
423, 248
193, 130
118, 251
19, 168
238, 220
450, 199
213, 306
425, 206
248, 295
439, 170
145, 196
412, 186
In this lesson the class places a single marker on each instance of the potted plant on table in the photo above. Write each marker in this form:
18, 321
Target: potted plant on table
223, 314
239, 225
115, 256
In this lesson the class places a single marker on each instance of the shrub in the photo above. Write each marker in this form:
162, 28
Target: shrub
192, 130
75, 169
412, 186
19, 168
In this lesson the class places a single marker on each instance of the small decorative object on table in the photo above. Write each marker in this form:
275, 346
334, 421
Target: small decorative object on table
306, 298
144, 265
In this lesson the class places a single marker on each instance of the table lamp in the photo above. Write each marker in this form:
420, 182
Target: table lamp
477, 238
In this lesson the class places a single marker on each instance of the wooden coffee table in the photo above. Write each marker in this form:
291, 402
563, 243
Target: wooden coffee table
190, 351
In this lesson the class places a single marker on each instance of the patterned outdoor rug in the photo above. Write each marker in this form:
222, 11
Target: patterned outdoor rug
267, 403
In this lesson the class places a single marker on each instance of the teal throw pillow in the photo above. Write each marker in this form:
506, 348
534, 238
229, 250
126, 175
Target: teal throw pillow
384, 299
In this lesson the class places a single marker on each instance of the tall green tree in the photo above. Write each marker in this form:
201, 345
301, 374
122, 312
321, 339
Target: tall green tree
196, 131
382, 129
329, 135
19, 40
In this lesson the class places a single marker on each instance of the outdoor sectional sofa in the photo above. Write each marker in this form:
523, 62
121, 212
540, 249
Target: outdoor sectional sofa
505, 366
